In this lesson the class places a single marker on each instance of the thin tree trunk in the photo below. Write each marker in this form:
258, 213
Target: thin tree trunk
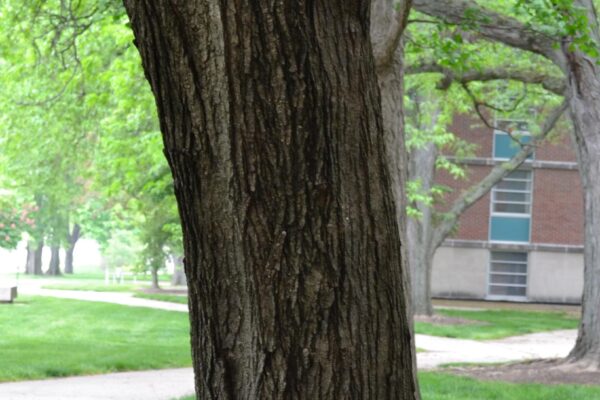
73, 238
37, 258
583, 87
54, 266
421, 167
273, 131
30, 263
154, 273
178, 278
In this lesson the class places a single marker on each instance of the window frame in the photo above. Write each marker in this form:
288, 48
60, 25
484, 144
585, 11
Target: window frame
494, 190
515, 132
490, 272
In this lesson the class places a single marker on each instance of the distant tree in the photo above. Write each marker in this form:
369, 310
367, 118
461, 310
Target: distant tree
565, 34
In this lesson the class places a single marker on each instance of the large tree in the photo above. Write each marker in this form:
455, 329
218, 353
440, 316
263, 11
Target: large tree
271, 118
565, 33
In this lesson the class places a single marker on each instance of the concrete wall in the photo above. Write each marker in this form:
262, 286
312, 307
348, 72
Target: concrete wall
555, 277
460, 273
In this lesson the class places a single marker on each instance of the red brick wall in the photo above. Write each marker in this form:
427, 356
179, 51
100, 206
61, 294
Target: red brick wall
473, 224
557, 214
557, 149
472, 130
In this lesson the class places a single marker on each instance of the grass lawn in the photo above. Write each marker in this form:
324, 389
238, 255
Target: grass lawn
46, 337
440, 386
95, 286
496, 324
171, 298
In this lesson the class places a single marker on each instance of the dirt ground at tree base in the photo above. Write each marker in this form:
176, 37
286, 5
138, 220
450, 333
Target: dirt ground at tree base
548, 372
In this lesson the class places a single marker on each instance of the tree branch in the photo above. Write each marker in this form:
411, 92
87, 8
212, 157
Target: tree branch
551, 83
384, 53
478, 190
491, 25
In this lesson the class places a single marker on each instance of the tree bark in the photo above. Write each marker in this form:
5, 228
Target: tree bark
271, 118
178, 278
583, 78
154, 274
37, 258
420, 231
30, 263
54, 265
73, 238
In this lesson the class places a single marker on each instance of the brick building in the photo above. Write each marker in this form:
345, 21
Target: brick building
523, 241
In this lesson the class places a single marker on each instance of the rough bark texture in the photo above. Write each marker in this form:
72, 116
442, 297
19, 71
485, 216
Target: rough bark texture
54, 265
272, 125
386, 31
73, 238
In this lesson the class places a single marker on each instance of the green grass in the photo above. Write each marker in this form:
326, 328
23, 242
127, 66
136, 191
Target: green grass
440, 386
496, 324
44, 337
171, 298
95, 286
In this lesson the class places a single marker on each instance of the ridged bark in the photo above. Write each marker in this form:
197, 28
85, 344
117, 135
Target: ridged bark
271, 118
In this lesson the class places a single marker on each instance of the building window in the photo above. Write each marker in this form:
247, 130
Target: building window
505, 145
510, 219
508, 274
512, 195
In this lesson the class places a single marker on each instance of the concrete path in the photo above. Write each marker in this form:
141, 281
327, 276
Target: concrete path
124, 298
170, 384
440, 350
145, 385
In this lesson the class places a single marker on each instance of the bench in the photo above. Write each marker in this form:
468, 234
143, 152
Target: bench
8, 294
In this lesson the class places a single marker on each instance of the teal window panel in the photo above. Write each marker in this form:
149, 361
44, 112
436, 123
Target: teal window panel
510, 229
506, 147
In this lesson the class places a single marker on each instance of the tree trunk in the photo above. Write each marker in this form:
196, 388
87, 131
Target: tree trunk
30, 263
420, 231
37, 258
54, 266
178, 278
583, 87
272, 126
73, 238
154, 273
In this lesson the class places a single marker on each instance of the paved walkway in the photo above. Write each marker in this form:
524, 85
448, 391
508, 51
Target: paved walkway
440, 350
144, 385
123, 298
174, 383
170, 384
